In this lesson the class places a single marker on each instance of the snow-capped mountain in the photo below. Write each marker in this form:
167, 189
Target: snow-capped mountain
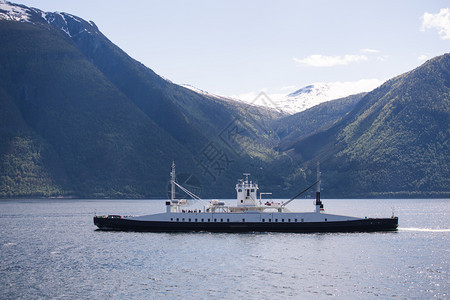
14, 12
310, 95
303, 98
300, 100
316, 93
68, 23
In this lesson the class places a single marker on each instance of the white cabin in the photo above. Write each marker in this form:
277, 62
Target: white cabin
246, 192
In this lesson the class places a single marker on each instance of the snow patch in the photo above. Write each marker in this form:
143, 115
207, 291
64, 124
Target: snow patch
9, 11
205, 93
313, 94
319, 92
58, 17
21, 13
197, 90
75, 18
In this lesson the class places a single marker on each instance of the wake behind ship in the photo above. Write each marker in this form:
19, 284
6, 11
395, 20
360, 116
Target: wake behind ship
246, 216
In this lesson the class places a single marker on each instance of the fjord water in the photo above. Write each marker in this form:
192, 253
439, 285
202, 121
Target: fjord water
51, 249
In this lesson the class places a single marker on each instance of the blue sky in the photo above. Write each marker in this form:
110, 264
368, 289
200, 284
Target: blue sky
241, 47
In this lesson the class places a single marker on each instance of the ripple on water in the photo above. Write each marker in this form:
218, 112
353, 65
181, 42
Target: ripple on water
51, 250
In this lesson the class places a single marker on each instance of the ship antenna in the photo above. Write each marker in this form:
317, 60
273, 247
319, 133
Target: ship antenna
246, 176
172, 181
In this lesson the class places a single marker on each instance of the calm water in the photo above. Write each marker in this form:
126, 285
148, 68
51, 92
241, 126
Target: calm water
50, 249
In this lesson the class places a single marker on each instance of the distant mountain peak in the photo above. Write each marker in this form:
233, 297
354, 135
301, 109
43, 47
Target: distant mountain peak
304, 90
313, 94
319, 92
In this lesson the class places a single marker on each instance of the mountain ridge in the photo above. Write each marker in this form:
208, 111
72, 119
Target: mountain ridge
66, 80
405, 116
81, 118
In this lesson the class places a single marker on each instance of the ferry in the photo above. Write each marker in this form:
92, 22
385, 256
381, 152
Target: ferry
246, 216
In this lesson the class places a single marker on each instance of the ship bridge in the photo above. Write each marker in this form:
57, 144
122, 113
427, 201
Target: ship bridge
246, 192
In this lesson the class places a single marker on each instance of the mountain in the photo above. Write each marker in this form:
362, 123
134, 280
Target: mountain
295, 127
81, 118
319, 92
393, 143
71, 116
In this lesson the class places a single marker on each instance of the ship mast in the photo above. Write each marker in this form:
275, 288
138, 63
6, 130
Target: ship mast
318, 179
172, 182
319, 205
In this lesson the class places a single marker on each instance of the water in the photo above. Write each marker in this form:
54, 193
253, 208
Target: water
50, 249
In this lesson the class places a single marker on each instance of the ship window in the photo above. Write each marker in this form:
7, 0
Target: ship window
242, 201
282, 220
303, 220
215, 220
289, 220
253, 190
171, 219
189, 219
270, 220
228, 220
183, 219
263, 220
240, 190
296, 220
243, 220
326, 219
209, 220
203, 220
178, 219
195, 220
248, 193
276, 220
221, 220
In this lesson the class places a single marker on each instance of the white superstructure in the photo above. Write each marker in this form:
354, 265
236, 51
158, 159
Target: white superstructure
246, 192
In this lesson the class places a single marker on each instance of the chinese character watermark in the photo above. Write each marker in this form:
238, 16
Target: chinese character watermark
213, 161
237, 136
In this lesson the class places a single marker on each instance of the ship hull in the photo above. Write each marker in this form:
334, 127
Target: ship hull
361, 225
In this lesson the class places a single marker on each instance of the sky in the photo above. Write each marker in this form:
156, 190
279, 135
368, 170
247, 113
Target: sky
238, 48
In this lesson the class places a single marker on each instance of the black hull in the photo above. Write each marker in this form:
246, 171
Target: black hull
363, 225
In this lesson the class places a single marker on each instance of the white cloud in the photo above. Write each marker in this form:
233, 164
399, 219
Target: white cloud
383, 57
247, 97
318, 60
370, 50
439, 21
422, 57
354, 87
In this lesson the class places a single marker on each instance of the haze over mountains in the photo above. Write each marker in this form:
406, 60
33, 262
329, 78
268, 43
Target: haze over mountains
81, 118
